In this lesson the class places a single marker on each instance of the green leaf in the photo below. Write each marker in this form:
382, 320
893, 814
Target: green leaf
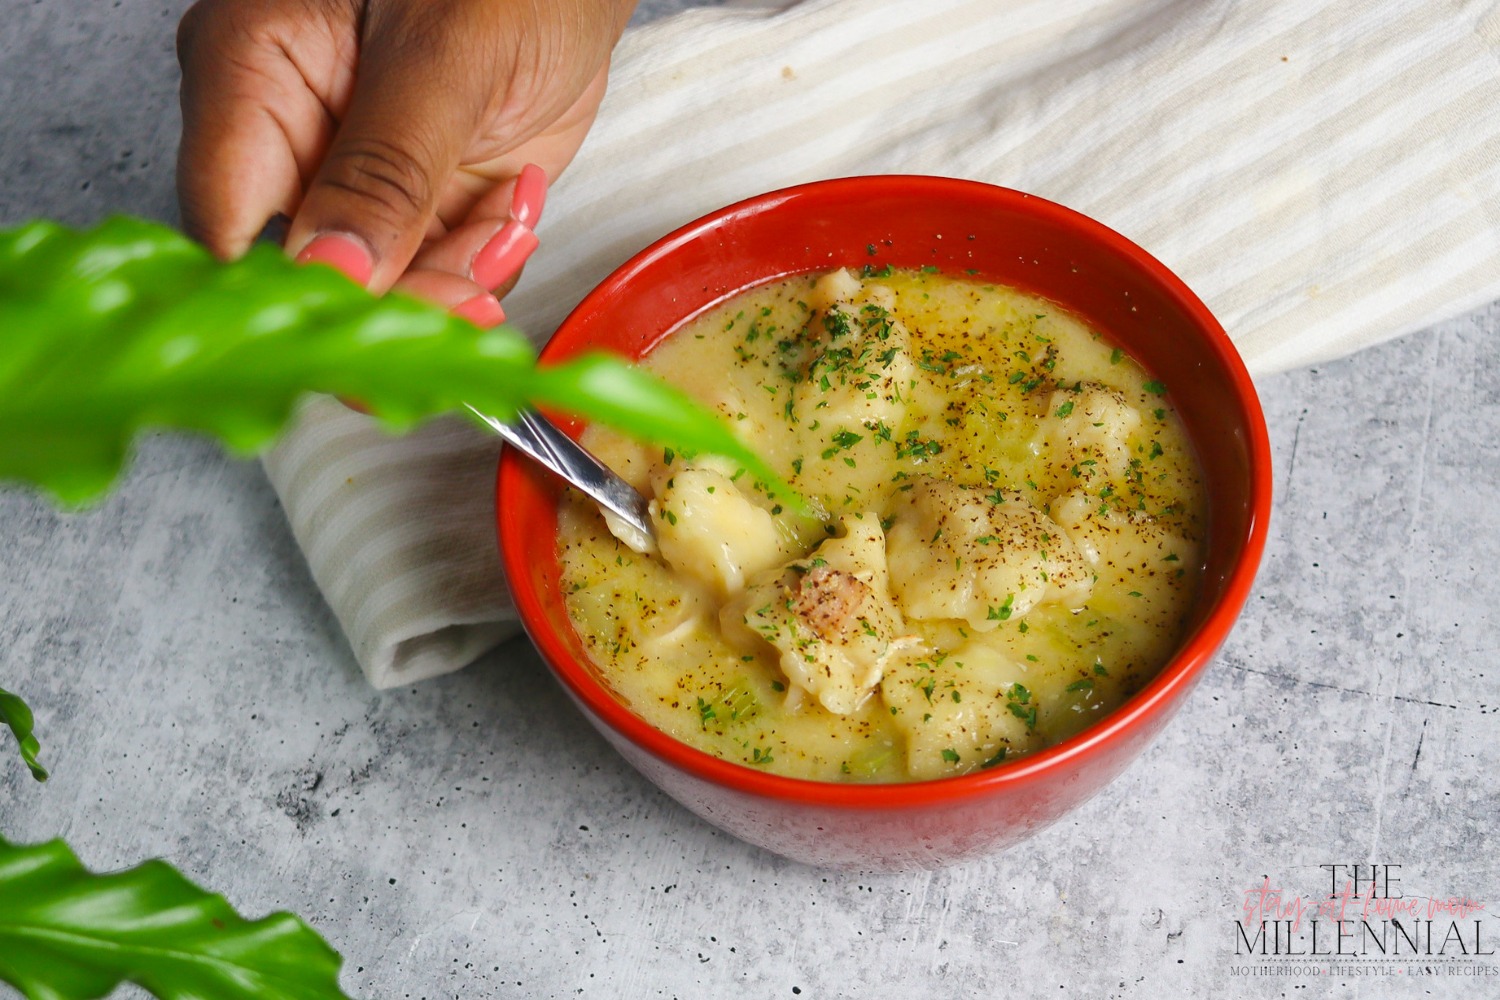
67, 933
17, 715
131, 325
630, 400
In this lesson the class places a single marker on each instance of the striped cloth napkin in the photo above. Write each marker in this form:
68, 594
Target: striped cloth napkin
1324, 173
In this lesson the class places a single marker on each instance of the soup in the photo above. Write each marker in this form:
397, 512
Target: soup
1001, 541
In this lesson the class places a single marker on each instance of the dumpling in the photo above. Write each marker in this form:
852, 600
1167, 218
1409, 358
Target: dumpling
1086, 432
959, 552
853, 387
708, 530
829, 615
1133, 551
968, 708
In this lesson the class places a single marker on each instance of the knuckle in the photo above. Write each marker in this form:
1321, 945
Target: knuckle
387, 175
421, 25
211, 30
196, 29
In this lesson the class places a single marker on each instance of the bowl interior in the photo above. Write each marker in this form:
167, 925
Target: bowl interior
961, 227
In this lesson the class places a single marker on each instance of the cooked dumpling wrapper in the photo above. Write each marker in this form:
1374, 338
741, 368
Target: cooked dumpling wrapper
970, 708
707, 529
1086, 432
983, 557
829, 615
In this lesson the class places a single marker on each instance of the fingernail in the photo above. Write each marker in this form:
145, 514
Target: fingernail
501, 258
482, 310
345, 253
531, 194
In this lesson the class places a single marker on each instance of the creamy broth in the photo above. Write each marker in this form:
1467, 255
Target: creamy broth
1004, 542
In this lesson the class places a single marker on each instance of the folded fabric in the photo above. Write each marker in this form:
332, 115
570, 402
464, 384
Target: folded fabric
1324, 173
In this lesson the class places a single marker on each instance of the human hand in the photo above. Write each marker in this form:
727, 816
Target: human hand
393, 133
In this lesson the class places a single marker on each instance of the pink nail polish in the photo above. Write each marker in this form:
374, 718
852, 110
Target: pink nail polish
531, 194
501, 258
482, 310
344, 253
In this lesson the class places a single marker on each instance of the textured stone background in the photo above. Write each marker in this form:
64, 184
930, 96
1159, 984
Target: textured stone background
472, 837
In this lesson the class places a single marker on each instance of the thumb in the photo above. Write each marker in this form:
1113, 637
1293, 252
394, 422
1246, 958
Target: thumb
410, 118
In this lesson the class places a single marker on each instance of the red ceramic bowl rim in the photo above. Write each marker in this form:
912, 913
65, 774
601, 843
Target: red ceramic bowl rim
1117, 727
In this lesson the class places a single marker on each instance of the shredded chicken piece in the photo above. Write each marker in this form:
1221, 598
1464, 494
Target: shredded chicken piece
830, 616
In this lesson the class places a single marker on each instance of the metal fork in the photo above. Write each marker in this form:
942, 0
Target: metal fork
540, 440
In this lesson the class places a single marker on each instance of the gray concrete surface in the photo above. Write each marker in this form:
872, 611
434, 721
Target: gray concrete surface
471, 837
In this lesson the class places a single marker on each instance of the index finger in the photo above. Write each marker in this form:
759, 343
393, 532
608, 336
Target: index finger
251, 127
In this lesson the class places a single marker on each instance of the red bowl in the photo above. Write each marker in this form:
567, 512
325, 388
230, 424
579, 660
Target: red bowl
1004, 236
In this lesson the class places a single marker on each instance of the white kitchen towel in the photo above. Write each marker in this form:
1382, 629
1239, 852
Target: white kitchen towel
1324, 173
